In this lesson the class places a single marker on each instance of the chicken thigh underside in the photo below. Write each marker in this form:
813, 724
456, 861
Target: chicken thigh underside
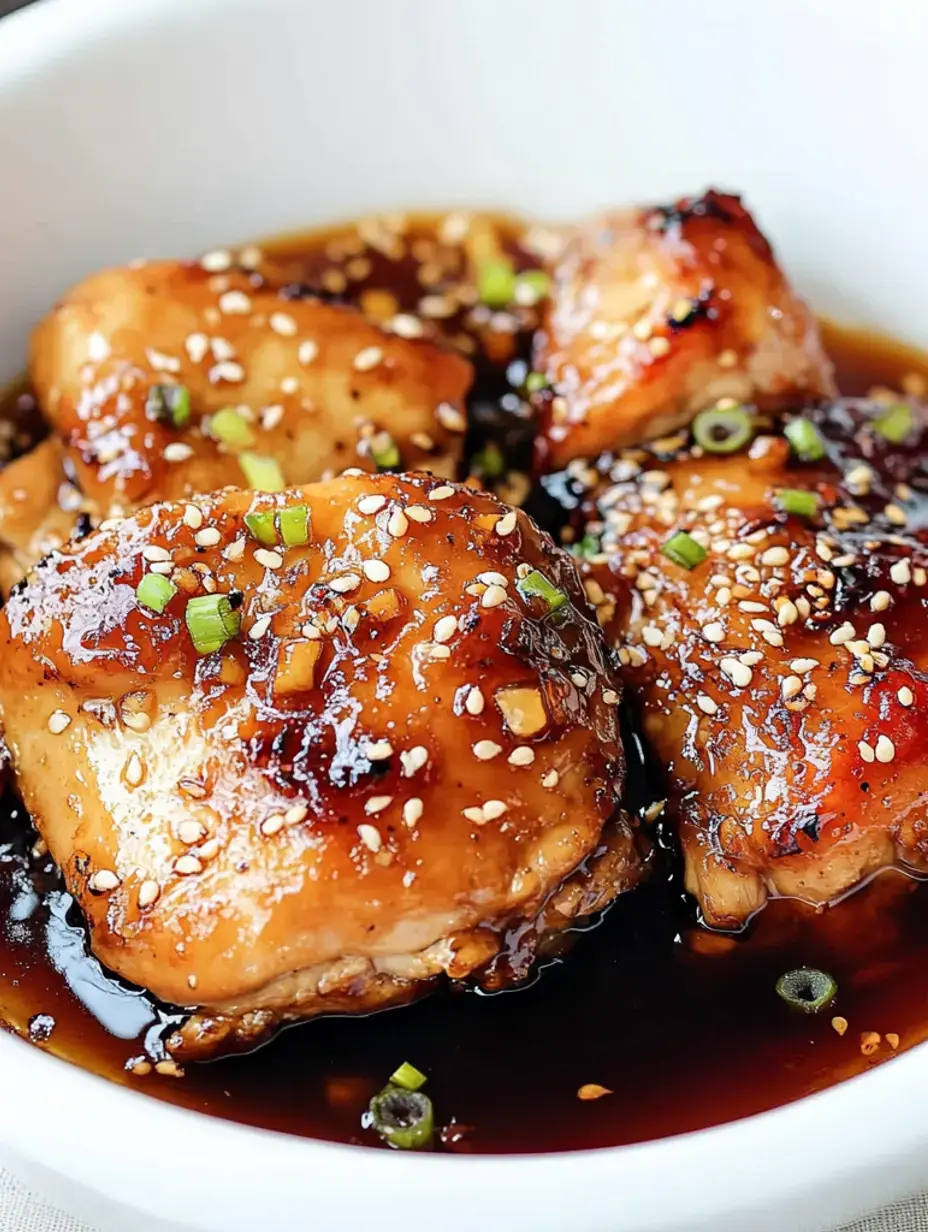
780, 660
402, 743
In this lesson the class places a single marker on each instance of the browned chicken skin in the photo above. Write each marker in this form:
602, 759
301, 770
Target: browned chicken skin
657, 313
403, 752
782, 679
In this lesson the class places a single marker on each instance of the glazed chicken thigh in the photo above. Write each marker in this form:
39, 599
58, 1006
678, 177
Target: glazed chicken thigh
656, 313
769, 611
304, 752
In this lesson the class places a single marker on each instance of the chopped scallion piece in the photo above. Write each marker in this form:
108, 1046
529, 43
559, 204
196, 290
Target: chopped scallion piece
385, 451
260, 524
229, 427
723, 430
535, 382
409, 1077
211, 622
805, 439
496, 283
168, 404
404, 1119
294, 525
588, 547
807, 989
490, 462
536, 586
896, 424
262, 474
155, 592
531, 286
683, 550
802, 504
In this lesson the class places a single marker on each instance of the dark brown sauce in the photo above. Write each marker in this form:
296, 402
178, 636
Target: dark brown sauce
684, 1027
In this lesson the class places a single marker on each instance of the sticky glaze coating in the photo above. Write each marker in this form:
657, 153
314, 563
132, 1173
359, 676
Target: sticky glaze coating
781, 679
657, 313
400, 756
318, 386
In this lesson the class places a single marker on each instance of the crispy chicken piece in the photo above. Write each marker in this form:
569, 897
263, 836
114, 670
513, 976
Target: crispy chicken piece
782, 678
657, 313
39, 509
316, 386
410, 746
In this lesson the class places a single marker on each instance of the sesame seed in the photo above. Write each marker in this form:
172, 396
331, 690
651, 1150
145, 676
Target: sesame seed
196, 345
269, 558
522, 756
235, 550
98, 348
412, 810
193, 517
790, 687
290, 385
153, 552
901, 573
342, 585
659, 347
190, 832
706, 704
370, 836
406, 325
493, 809
844, 633
450, 418
866, 751
787, 613
610, 697
493, 596
906, 696
376, 570
259, 628
307, 351
474, 702
579, 679
445, 629
419, 513
486, 750
149, 893
876, 635
208, 537
435, 650
177, 451
216, 261
507, 523
222, 349
885, 749
713, 632
282, 323
652, 635
161, 362
803, 666
58, 720
378, 750
376, 804
271, 825
551, 779
371, 504
367, 359
737, 673
413, 759
227, 370
271, 416
104, 879
187, 865
168, 1069
775, 556
397, 524
441, 493
474, 814
234, 303
133, 771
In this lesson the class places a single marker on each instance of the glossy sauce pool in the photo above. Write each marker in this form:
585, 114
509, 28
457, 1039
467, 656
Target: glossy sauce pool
682, 1026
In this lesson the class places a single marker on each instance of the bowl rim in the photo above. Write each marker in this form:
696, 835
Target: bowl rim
867, 1120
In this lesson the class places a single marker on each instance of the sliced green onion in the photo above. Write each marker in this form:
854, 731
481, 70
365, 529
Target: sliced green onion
385, 451
262, 474
683, 550
409, 1077
211, 622
490, 462
807, 989
294, 525
496, 283
155, 592
588, 547
260, 525
404, 1119
723, 430
231, 428
168, 404
535, 585
794, 500
535, 382
531, 286
805, 439
896, 424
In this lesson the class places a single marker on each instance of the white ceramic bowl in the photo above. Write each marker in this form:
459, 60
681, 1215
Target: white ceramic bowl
159, 127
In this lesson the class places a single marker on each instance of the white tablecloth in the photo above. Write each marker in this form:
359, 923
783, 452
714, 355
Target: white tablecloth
20, 1212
